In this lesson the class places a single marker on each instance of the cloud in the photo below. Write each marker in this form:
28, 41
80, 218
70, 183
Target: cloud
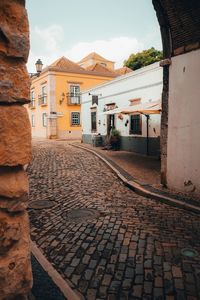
48, 44
116, 49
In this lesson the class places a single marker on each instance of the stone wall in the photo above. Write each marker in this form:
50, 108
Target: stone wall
15, 151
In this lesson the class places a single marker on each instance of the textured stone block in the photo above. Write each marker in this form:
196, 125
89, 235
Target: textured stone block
15, 136
13, 189
14, 29
14, 81
15, 266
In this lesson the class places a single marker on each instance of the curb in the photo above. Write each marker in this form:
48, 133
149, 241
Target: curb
139, 189
63, 285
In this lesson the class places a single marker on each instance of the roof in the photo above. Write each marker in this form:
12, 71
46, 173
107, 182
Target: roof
65, 65
93, 55
123, 71
99, 68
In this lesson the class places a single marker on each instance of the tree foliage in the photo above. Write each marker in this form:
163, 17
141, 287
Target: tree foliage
144, 58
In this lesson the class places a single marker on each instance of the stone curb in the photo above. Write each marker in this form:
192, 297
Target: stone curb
139, 189
63, 285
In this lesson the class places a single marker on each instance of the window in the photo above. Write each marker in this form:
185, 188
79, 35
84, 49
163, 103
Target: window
74, 94
94, 121
44, 120
103, 64
32, 96
95, 99
43, 96
75, 118
135, 124
33, 120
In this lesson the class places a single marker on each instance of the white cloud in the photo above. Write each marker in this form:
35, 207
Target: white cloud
48, 44
45, 44
115, 49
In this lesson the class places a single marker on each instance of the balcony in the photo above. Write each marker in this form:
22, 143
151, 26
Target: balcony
42, 100
32, 104
73, 98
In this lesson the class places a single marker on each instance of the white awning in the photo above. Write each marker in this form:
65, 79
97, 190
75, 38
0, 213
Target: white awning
149, 108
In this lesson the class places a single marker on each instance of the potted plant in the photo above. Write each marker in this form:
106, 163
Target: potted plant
115, 137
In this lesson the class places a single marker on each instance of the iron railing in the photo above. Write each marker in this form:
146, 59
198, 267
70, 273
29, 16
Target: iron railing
73, 98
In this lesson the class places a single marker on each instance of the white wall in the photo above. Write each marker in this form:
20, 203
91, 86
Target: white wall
145, 83
183, 157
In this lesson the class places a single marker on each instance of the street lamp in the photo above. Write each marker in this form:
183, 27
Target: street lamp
38, 66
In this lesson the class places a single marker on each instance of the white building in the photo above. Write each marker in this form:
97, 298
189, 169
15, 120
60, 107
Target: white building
101, 108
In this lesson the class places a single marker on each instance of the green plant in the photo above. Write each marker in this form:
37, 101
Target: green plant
115, 132
144, 58
115, 139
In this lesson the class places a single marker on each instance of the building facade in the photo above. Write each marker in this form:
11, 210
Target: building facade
55, 107
101, 110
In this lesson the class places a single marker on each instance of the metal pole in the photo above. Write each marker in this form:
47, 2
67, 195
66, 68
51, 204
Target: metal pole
147, 116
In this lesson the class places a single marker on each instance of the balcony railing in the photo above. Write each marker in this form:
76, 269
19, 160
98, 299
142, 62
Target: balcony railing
73, 98
32, 104
42, 99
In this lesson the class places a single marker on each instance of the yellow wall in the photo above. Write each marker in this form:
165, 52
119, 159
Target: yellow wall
62, 85
63, 82
39, 130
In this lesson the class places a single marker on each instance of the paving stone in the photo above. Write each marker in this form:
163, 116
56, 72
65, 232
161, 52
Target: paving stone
107, 279
129, 273
127, 283
88, 274
148, 287
114, 286
137, 291
158, 294
75, 262
134, 243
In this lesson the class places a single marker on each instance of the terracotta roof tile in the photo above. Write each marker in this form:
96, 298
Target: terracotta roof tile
65, 65
93, 55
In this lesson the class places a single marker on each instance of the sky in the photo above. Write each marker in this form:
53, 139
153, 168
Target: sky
75, 28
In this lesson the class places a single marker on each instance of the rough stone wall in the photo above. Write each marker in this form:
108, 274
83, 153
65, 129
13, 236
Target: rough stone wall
15, 151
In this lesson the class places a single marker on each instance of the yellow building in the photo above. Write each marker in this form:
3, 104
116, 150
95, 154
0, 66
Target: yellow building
93, 59
55, 109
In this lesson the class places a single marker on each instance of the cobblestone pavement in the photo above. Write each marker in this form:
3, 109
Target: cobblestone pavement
107, 241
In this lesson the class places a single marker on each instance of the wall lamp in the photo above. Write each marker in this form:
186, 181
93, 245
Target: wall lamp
62, 98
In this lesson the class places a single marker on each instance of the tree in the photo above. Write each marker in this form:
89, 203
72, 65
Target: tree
144, 58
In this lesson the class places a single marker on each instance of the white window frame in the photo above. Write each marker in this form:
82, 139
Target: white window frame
44, 119
33, 120
43, 96
74, 95
32, 96
79, 118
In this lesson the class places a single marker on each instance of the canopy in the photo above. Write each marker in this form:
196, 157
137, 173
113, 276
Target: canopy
149, 108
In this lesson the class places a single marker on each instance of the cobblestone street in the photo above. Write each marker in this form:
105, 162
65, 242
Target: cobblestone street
104, 239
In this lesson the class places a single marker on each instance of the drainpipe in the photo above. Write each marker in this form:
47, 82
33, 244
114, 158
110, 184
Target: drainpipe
147, 143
